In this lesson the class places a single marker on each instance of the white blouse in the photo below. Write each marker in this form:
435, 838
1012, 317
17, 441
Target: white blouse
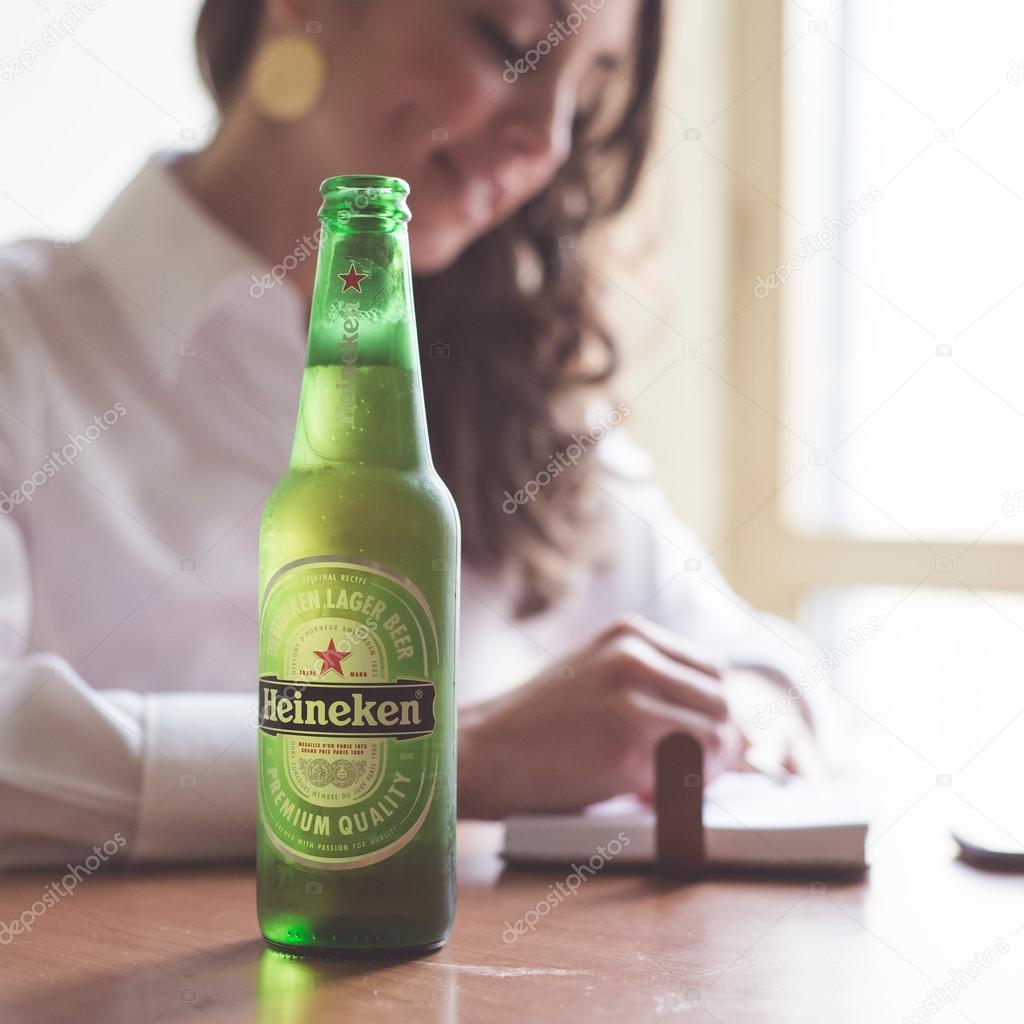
148, 388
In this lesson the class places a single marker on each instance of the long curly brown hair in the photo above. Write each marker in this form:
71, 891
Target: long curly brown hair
511, 335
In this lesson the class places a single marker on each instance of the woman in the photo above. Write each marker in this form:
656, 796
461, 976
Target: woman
151, 374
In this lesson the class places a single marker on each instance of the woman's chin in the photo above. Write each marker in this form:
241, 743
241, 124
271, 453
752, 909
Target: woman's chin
433, 254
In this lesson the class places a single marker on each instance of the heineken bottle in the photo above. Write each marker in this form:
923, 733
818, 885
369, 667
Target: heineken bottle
359, 569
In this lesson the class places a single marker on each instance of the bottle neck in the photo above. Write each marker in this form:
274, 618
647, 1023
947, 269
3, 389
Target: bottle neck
362, 393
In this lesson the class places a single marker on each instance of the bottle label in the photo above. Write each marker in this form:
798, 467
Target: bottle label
348, 666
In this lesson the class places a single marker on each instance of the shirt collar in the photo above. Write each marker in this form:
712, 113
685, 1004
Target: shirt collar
163, 253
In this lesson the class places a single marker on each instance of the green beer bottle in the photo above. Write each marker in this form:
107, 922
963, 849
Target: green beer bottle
359, 569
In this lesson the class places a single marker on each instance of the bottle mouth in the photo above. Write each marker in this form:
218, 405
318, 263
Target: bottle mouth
365, 202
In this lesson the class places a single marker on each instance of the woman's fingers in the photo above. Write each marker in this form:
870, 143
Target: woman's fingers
637, 664
655, 718
683, 651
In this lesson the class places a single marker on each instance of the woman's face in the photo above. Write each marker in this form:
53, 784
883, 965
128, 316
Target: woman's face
472, 101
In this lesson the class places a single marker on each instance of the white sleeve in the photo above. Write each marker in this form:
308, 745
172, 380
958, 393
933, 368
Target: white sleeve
690, 595
695, 596
161, 777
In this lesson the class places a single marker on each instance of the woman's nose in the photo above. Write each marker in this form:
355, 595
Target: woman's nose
538, 122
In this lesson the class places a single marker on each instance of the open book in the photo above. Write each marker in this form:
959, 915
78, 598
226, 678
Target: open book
749, 820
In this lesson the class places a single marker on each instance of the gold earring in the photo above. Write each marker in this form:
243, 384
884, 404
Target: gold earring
287, 77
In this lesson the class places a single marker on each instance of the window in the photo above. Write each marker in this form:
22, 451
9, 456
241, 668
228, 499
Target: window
879, 410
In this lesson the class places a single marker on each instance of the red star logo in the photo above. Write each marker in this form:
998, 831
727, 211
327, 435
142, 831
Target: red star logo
353, 279
332, 659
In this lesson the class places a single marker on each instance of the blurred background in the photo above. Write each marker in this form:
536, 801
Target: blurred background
820, 291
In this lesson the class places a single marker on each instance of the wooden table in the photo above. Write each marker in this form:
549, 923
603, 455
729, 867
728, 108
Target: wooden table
181, 945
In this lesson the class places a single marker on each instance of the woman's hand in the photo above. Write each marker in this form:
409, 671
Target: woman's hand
776, 725
586, 730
